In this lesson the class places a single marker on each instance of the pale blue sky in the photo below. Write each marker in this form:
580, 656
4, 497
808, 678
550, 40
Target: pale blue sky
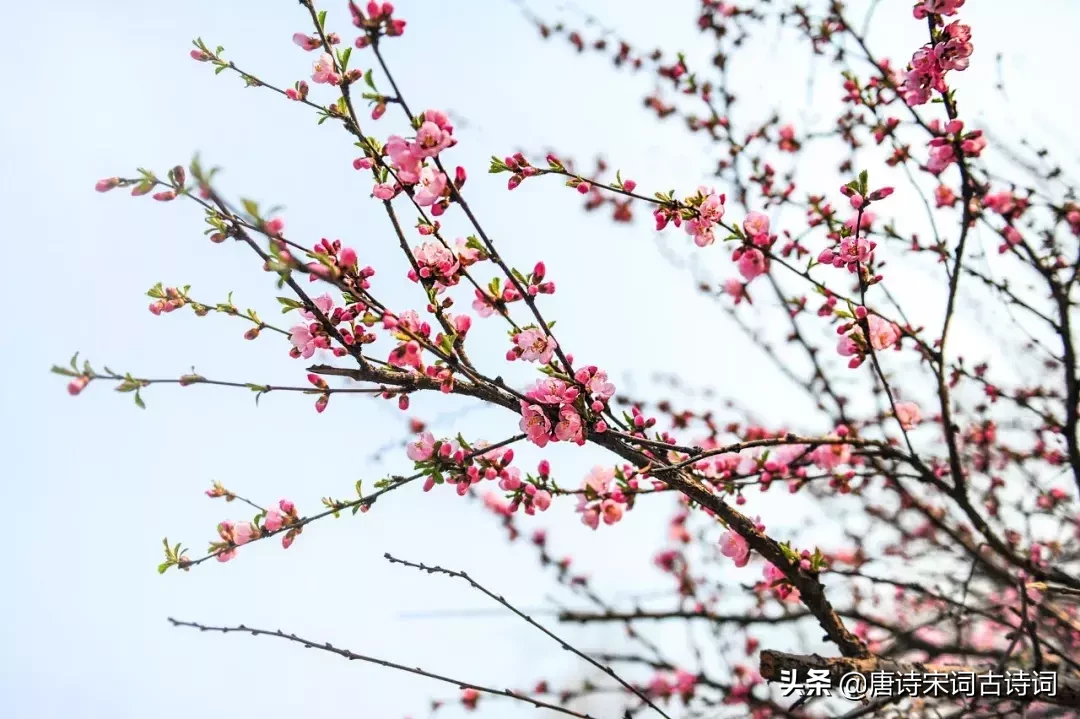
96, 89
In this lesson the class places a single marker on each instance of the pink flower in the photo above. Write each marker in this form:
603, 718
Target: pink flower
542, 500
535, 345
611, 511
421, 449
734, 546
431, 139
756, 224
599, 479
909, 414
684, 682
303, 340
323, 70
432, 185
599, 387
847, 347
830, 456
324, 302
403, 159
244, 532
568, 428
751, 263
384, 191
923, 8
437, 261
883, 334
274, 520
552, 390
535, 424
735, 288
590, 518
659, 686
306, 41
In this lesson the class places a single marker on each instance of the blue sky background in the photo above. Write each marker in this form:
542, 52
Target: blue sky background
97, 89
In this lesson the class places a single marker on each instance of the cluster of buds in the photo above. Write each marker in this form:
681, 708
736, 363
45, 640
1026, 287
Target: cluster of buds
520, 167
167, 299
377, 20
334, 260
271, 521
943, 146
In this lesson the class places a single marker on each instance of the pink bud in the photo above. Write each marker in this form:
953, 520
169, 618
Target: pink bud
629, 185
107, 184
347, 257
584, 188
321, 402
77, 385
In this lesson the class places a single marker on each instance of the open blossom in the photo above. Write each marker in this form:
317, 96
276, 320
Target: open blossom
552, 390
569, 426
883, 334
734, 546
421, 448
923, 8
611, 511
709, 213
535, 345
599, 387
324, 302
303, 340
436, 261
751, 263
535, 424
599, 479
756, 224
306, 41
323, 71
274, 520
431, 139
831, 456
403, 159
909, 414
432, 185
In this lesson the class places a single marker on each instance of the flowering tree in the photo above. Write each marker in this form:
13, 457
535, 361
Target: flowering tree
954, 484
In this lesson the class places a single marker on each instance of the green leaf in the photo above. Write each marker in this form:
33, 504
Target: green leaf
75, 361
322, 19
344, 58
57, 369
128, 385
369, 80
161, 568
288, 304
139, 401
